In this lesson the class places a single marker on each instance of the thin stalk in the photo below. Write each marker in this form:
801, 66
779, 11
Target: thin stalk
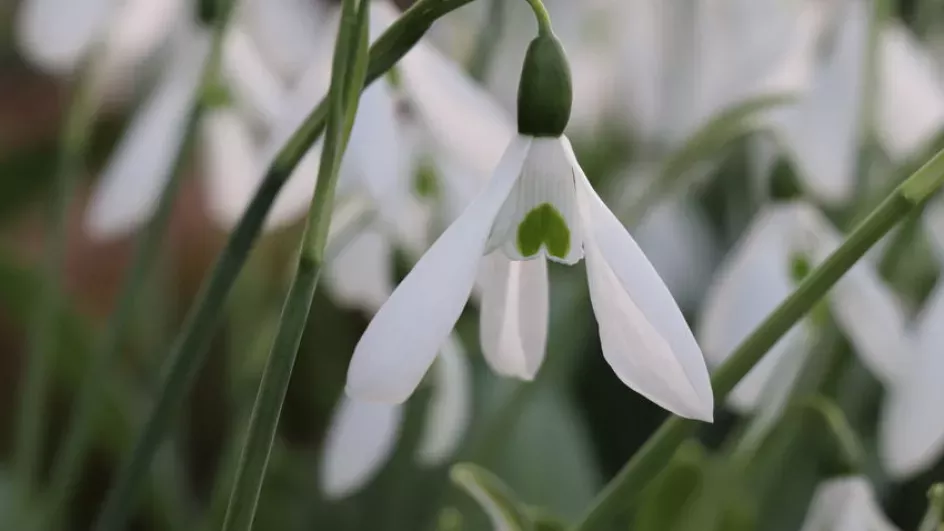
542, 16
188, 351
31, 425
347, 80
657, 451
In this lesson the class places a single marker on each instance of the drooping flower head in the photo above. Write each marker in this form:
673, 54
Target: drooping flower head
538, 206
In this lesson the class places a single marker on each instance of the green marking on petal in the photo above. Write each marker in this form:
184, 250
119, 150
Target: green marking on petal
544, 225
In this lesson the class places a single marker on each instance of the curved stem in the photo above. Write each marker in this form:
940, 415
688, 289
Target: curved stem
657, 451
542, 16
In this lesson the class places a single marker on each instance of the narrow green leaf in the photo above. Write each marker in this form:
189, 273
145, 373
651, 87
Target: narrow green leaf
495, 498
664, 501
844, 445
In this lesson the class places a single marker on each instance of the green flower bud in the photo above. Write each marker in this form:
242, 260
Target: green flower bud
545, 93
209, 10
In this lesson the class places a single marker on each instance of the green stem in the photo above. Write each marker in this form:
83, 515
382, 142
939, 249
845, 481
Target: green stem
347, 80
542, 16
657, 451
189, 349
32, 415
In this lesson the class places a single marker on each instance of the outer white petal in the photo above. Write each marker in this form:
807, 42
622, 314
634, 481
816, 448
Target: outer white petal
846, 504
361, 275
821, 131
513, 315
867, 310
912, 426
286, 32
934, 227
255, 87
56, 34
360, 439
139, 168
230, 163
644, 336
402, 340
547, 176
751, 282
462, 116
139, 27
910, 95
450, 408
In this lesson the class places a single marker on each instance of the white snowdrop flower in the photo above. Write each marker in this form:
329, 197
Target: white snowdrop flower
822, 133
362, 435
911, 429
684, 62
846, 504
538, 206
139, 169
761, 272
286, 32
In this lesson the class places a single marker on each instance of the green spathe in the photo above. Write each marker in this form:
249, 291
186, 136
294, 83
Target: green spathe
544, 225
545, 93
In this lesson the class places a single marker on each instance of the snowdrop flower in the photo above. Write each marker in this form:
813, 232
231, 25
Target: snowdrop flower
684, 62
286, 32
911, 429
538, 206
760, 273
846, 504
139, 169
362, 435
822, 133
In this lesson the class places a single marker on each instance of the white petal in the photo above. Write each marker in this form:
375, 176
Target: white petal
360, 439
402, 340
934, 227
644, 336
255, 88
846, 504
547, 177
230, 164
286, 32
513, 315
462, 116
866, 309
912, 426
450, 407
821, 132
140, 167
376, 158
361, 275
140, 27
910, 95
56, 34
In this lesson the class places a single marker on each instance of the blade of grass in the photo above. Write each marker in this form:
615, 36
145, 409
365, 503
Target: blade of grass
656, 452
347, 80
188, 351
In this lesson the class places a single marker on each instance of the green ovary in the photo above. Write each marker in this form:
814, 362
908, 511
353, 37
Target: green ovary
544, 225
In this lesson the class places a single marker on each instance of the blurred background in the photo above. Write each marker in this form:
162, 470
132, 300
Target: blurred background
651, 79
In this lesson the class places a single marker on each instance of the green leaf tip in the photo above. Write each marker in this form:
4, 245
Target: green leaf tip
545, 91
495, 498
924, 182
544, 225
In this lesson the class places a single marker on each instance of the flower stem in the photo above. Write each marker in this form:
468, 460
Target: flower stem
347, 81
32, 414
542, 16
188, 351
657, 451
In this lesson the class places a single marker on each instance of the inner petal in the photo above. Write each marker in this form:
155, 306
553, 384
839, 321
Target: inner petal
539, 218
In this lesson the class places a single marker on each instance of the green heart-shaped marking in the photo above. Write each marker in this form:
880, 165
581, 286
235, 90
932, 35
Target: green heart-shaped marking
544, 225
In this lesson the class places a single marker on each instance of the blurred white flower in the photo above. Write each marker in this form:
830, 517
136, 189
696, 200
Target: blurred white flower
760, 273
286, 32
911, 428
684, 62
538, 205
141, 166
846, 504
823, 132
363, 435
